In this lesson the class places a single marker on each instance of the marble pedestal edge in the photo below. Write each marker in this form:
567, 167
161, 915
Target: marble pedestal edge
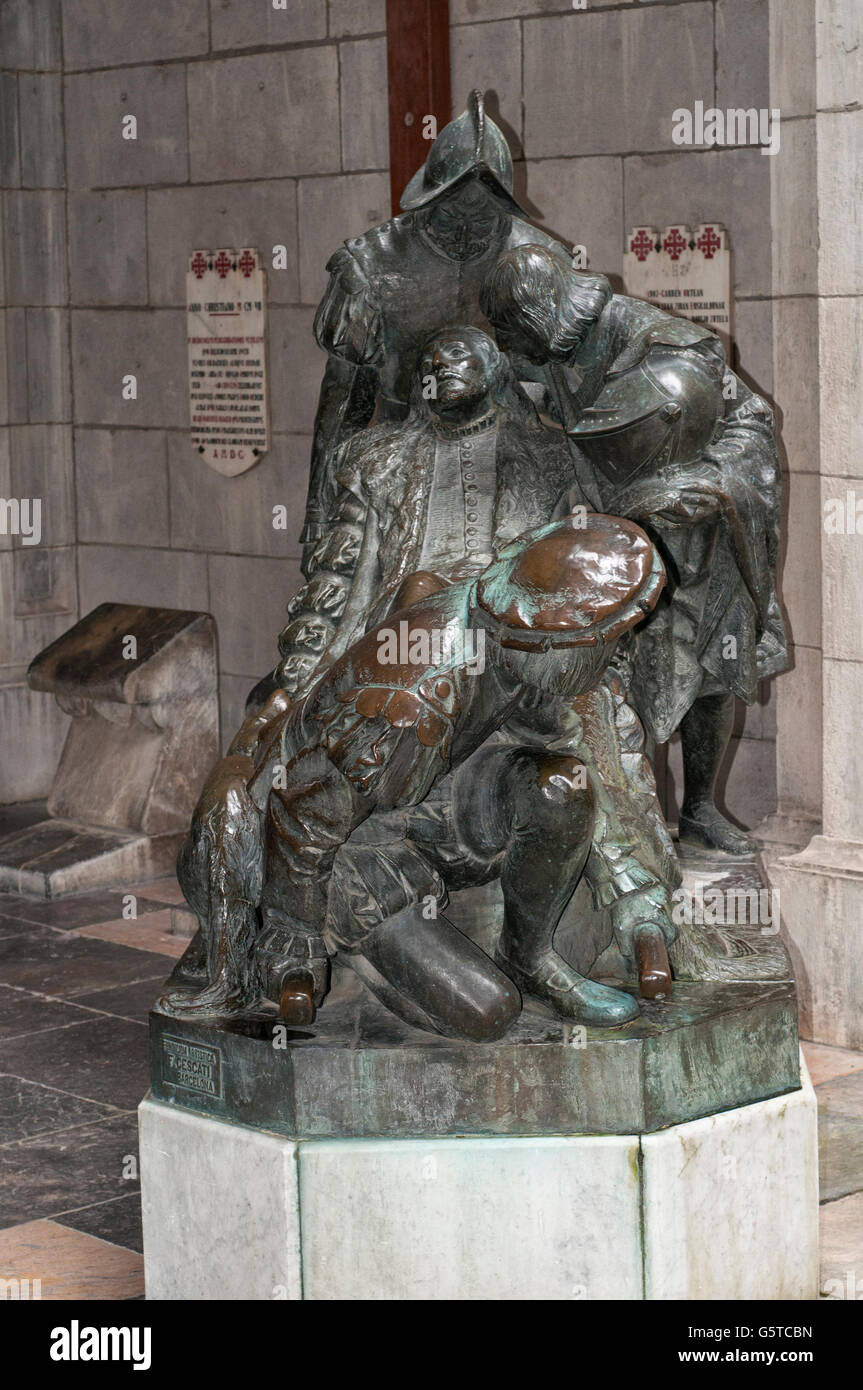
720, 1207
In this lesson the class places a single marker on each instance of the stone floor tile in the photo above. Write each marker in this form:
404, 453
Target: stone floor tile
127, 1001
842, 1248
826, 1063
71, 1169
70, 1264
104, 1059
840, 1155
15, 926
840, 1136
844, 1096
160, 890
22, 1011
28, 1109
82, 910
117, 1220
66, 964
151, 933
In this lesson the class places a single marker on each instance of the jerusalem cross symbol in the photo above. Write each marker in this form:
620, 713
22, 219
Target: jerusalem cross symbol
708, 242
642, 245
674, 244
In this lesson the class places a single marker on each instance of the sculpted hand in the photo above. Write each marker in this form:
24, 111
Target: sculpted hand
685, 499
692, 502
248, 737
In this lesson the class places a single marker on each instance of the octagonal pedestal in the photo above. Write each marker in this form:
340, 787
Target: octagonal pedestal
721, 1207
362, 1158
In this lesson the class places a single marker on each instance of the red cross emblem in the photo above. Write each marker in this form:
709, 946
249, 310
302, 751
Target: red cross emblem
223, 264
708, 242
246, 263
642, 245
674, 243
199, 264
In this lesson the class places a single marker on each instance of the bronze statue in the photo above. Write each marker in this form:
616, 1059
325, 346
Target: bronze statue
393, 287
672, 438
383, 726
454, 495
436, 497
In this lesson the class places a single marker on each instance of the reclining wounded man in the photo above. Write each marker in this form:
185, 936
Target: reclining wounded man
425, 505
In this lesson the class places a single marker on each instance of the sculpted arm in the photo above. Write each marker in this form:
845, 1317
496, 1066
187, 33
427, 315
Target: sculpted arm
347, 327
338, 571
632, 867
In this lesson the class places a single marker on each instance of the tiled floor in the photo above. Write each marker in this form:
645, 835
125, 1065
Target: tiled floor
77, 982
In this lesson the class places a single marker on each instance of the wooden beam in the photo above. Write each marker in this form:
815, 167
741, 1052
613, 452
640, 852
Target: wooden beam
419, 82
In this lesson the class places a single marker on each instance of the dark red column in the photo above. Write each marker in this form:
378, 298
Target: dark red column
419, 82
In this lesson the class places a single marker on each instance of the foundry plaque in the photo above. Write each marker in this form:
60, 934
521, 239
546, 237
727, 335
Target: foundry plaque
684, 272
226, 329
192, 1066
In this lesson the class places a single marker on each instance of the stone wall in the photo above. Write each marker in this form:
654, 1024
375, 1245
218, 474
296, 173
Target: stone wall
38, 587
255, 126
267, 127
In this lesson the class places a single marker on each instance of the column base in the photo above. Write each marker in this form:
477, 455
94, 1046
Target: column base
821, 902
720, 1207
783, 833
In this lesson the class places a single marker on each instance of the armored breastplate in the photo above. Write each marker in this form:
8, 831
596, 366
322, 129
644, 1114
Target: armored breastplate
661, 411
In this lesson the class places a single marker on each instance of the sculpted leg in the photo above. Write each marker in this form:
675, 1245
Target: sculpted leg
539, 808
705, 732
386, 917
307, 821
430, 974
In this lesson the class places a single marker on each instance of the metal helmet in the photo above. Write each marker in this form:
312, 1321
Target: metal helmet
471, 146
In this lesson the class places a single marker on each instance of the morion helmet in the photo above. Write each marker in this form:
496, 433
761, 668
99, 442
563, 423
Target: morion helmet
471, 146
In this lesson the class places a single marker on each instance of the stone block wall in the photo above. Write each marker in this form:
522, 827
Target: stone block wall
269, 127
38, 587
255, 126
586, 96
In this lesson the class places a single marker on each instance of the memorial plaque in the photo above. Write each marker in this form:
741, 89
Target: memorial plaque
226, 317
683, 272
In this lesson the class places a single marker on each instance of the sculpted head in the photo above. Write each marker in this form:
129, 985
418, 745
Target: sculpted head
464, 221
462, 196
458, 369
541, 307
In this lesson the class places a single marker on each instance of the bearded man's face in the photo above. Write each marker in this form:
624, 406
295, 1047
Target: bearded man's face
461, 370
465, 222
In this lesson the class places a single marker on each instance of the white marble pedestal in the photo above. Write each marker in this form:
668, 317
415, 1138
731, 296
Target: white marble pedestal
721, 1207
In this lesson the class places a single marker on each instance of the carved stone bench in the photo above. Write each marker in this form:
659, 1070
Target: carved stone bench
141, 685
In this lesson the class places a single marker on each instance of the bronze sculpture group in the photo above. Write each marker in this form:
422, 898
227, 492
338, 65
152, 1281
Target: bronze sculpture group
541, 535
